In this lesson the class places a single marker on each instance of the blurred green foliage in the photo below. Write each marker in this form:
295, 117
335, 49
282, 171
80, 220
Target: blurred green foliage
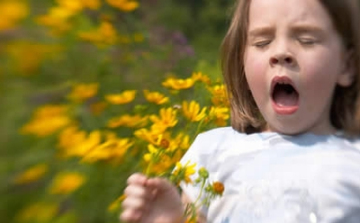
160, 39
204, 23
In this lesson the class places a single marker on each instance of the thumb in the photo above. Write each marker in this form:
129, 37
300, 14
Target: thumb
165, 191
159, 184
163, 186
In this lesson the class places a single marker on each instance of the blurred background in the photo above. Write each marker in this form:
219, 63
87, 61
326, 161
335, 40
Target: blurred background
74, 65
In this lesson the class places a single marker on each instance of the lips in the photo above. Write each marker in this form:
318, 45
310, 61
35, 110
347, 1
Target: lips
285, 97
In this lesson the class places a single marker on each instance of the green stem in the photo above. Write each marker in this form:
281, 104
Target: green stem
187, 126
198, 127
148, 169
201, 192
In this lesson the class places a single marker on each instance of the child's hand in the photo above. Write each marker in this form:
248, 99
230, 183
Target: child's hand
151, 200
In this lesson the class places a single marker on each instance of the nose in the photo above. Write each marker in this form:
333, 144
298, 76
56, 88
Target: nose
282, 59
282, 53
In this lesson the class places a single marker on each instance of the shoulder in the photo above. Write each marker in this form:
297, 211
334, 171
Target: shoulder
219, 135
208, 143
217, 139
217, 145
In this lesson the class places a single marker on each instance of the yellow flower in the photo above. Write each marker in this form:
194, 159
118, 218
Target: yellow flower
192, 111
108, 32
45, 127
78, 5
72, 5
112, 149
70, 137
124, 5
220, 115
91, 4
218, 188
165, 141
57, 19
219, 112
66, 183
182, 141
59, 14
151, 135
183, 173
38, 212
219, 95
47, 120
178, 84
11, 12
32, 174
47, 111
198, 76
159, 162
81, 92
104, 35
28, 55
192, 219
78, 145
152, 154
164, 165
155, 97
115, 204
123, 98
166, 119
127, 121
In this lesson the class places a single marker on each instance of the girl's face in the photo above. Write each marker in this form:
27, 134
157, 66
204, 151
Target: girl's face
293, 60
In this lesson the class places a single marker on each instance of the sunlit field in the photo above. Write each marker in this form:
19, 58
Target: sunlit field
94, 90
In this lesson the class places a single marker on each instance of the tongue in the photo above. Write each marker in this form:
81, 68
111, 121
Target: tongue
285, 99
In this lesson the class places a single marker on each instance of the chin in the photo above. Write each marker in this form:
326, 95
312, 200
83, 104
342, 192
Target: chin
285, 130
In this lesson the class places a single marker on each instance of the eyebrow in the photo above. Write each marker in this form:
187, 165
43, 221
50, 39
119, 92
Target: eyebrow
261, 31
267, 31
307, 29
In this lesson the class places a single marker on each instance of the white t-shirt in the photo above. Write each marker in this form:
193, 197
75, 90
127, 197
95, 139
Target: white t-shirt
274, 178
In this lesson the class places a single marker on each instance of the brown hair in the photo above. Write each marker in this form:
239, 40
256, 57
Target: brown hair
245, 115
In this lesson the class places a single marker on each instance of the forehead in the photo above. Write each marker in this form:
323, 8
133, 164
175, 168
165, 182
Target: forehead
274, 12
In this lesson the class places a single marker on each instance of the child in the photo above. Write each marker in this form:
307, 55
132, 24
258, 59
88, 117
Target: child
292, 71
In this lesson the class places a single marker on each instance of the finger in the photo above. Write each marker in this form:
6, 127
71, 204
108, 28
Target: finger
159, 184
130, 216
136, 191
139, 192
137, 178
134, 203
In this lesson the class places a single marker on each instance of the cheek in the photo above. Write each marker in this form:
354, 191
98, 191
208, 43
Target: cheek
255, 72
318, 80
324, 72
255, 67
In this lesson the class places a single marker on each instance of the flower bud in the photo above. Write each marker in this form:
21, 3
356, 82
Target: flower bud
203, 173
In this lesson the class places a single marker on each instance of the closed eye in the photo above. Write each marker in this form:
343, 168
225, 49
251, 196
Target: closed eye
262, 44
307, 41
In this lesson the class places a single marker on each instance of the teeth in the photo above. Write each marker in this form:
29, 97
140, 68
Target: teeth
282, 82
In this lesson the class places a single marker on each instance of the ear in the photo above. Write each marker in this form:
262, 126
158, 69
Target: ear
347, 75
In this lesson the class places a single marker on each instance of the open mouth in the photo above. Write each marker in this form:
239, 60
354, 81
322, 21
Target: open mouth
284, 95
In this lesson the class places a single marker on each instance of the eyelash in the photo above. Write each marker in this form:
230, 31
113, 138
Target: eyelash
307, 42
262, 44
302, 41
